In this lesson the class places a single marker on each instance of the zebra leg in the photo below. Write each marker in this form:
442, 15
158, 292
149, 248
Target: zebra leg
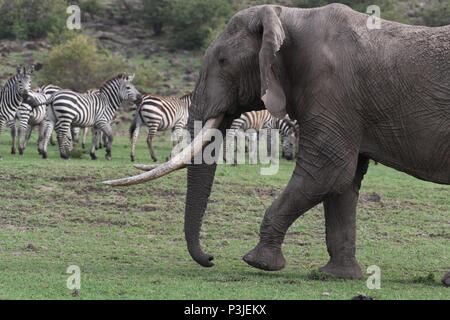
46, 137
2, 123
94, 144
177, 138
107, 131
52, 140
64, 137
12, 126
23, 138
46, 133
150, 137
40, 135
104, 140
134, 139
75, 133
85, 134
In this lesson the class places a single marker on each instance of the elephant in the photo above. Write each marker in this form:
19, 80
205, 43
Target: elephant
358, 94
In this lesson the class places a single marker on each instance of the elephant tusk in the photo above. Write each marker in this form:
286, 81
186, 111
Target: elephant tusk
180, 161
144, 167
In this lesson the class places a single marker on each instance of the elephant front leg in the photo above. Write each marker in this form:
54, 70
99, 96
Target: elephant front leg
294, 201
340, 221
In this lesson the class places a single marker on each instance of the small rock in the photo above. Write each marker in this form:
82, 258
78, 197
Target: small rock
374, 197
76, 293
31, 247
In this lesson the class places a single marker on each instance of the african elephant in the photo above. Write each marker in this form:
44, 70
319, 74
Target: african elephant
357, 93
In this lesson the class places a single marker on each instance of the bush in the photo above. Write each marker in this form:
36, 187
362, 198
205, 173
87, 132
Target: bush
91, 7
81, 65
194, 21
155, 13
31, 19
437, 16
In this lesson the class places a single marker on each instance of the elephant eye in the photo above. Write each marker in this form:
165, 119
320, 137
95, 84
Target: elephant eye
222, 61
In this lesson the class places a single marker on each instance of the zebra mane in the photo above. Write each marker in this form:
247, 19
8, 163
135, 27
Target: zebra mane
186, 95
9, 82
120, 76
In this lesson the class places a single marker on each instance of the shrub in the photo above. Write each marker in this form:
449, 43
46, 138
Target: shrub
80, 65
155, 14
91, 7
194, 21
438, 15
31, 19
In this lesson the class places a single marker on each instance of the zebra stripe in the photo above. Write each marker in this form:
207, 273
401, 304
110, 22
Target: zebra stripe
97, 110
11, 96
159, 114
259, 120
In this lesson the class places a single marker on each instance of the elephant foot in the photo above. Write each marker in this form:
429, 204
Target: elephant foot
446, 280
347, 270
93, 156
265, 258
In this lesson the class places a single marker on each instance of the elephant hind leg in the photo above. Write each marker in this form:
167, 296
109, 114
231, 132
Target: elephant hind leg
340, 220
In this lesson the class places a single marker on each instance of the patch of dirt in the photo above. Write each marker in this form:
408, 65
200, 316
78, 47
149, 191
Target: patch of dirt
73, 178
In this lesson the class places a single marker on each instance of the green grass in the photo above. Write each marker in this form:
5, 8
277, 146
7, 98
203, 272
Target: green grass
129, 242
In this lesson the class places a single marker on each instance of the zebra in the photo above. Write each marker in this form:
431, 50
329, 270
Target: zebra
289, 130
11, 96
160, 114
30, 117
68, 108
256, 121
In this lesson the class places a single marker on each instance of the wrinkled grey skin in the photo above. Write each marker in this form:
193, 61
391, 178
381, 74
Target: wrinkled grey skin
358, 94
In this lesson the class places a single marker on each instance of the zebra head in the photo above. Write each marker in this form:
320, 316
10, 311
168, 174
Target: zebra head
128, 91
22, 81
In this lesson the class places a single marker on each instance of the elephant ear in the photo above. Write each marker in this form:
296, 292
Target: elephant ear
273, 36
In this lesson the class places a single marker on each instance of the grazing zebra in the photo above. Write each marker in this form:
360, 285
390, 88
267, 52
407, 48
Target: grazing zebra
68, 108
259, 120
160, 114
30, 117
11, 96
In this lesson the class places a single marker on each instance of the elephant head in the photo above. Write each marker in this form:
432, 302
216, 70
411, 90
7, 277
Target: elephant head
241, 71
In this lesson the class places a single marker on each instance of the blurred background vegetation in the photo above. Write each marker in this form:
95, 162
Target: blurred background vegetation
161, 40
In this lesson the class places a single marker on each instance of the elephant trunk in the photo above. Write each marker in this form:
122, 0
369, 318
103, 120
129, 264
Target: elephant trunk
200, 180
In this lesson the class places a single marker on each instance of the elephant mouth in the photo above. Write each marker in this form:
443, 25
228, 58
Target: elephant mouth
178, 162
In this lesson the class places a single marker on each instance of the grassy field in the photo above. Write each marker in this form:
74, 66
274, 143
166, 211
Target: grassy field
129, 242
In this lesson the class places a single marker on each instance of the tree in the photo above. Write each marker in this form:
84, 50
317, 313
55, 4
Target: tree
156, 13
194, 21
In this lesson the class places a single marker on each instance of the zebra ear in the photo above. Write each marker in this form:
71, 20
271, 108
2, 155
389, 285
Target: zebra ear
31, 69
18, 69
131, 78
